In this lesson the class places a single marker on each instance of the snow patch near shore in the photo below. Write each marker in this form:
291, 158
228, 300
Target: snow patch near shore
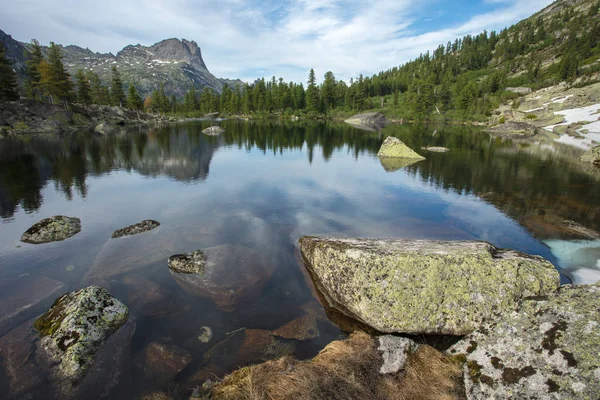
584, 114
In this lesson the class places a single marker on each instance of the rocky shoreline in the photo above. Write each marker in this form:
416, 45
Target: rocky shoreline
30, 116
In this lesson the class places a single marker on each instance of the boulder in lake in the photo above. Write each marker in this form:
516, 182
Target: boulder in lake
591, 156
85, 342
231, 275
144, 226
548, 349
423, 286
395, 164
394, 148
369, 121
213, 131
52, 229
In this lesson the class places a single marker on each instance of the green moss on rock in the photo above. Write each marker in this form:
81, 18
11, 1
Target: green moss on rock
394, 148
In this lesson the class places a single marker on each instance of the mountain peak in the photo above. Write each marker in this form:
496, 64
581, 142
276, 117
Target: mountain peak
178, 50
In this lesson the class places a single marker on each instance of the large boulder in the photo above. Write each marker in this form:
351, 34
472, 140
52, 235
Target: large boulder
423, 286
230, 275
52, 229
75, 331
394, 148
591, 156
548, 349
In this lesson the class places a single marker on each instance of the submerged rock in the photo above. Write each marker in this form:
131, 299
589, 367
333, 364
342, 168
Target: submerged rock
25, 297
213, 131
52, 229
395, 351
302, 328
148, 298
370, 121
158, 364
230, 275
394, 148
423, 286
547, 349
144, 226
591, 156
205, 334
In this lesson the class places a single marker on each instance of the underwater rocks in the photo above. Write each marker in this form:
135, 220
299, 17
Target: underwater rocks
52, 229
158, 364
25, 297
436, 149
394, 148
591, 156
75, 330
302, 328
423, 286
213, 131
230, 275
548, 349
140, 227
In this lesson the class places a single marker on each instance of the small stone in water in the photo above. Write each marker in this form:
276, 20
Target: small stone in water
205, 334
70, 268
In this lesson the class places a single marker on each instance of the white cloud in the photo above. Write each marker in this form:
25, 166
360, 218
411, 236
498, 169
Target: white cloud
282, 38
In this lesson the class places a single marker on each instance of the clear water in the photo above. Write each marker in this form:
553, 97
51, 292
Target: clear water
264, 185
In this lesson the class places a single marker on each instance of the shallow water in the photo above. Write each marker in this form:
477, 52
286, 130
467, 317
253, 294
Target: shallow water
263, 185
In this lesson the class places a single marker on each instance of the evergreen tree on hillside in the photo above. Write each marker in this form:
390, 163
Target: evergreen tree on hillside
99, 92
117, 95
312, 93
60, 87
84, 90
33, 59
9, 89
134, 100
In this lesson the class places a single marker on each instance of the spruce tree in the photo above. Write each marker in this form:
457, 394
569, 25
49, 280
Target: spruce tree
9, 89
60, 86
134, 100
117, 95
84, 90
329, 91
34, 57
99, 92
312, 93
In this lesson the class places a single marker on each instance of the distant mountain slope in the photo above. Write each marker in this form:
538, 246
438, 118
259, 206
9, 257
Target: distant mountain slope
176, 63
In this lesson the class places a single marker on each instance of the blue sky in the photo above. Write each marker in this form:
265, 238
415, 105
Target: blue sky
250, 39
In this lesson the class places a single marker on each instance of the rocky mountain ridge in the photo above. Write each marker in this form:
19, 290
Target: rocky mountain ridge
176, 63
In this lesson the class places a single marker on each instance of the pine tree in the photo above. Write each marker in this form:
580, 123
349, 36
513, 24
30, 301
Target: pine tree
99, 92
60, 86
312, 93
329, 91
33, 59
134, 100
396, 97
117, 95
9, 89
84, 90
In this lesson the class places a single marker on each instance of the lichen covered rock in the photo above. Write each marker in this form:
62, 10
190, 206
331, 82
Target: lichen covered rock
74, 329
144, 226
394, 148
548, 349
230, 275
52, 229
591, 156
395, 351
423, 286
